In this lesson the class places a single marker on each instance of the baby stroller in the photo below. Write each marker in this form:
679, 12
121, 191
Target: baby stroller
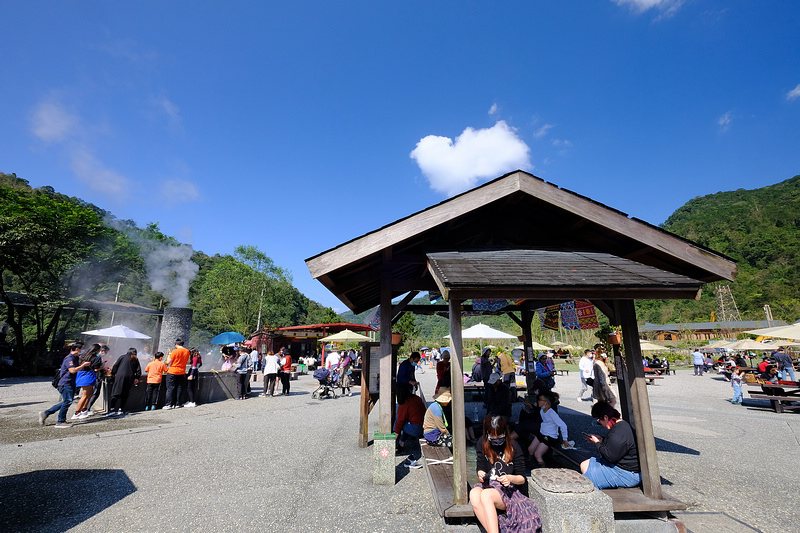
327, 385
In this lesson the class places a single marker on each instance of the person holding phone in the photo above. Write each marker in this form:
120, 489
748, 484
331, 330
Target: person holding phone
501, 472
618, 465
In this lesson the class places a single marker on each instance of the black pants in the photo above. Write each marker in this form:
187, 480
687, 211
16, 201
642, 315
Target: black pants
269, 383
285, 381
119, 400
175, 386
242, 384
151, 394
191, 388
98, 387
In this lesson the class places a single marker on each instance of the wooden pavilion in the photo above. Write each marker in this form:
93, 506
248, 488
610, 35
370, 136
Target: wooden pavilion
519, 237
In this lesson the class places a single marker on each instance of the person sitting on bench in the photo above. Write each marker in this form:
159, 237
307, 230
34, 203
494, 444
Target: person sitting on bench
501, 472
619, 462
435, 426
551, 427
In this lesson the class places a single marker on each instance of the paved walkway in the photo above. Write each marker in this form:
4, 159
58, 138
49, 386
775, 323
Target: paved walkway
293, 464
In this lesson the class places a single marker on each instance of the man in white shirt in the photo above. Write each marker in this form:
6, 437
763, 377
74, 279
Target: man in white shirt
586, 366
332, 360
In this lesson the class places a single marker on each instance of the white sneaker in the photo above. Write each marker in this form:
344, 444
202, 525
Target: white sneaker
166, 407
88, 413
76, 416
83, 415
190, 404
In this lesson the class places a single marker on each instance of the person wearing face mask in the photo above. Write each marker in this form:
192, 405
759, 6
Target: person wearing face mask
501, 472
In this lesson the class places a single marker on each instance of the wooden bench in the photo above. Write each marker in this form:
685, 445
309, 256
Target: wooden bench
780, 404
438, 464
625, 500
633, 500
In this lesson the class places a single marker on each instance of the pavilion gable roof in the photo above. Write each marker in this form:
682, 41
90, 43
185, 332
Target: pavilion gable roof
517, 211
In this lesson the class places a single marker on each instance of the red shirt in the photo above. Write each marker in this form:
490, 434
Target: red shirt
412, 410
287, 364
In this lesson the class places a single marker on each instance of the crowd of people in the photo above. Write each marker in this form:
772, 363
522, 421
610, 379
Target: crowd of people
83, 371
506, 449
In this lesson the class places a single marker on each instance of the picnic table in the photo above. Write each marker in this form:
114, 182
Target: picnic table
476, 387
784, 395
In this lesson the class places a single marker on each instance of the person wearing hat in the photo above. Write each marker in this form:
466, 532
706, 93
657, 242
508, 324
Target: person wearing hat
762, 366
435, 427
500, 399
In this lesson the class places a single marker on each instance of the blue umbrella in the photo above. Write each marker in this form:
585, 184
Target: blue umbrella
227, 338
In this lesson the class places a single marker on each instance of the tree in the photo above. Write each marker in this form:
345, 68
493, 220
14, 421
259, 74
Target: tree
46, 241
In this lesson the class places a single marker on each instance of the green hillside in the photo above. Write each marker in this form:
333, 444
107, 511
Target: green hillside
760, 229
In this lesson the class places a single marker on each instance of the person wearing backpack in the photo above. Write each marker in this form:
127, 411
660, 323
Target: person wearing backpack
66, 386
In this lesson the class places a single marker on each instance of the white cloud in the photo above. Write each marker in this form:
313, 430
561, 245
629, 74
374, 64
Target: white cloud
724, 122
667, 7
541, 132
51, 122
172, 111
794, 94
455, 166
563, 146
178, 191
493, 109
96, 175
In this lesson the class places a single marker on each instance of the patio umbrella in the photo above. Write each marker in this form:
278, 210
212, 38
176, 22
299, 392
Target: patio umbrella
558, 343
346, 335
747, 344
651, 346
482, 331
227, 338
118, 331
792, 331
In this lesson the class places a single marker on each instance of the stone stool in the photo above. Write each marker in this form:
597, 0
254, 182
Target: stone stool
569, 503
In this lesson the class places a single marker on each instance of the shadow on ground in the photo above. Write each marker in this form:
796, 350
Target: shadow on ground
43, 500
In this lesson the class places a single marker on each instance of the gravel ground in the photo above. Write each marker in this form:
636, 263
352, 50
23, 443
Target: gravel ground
293, 464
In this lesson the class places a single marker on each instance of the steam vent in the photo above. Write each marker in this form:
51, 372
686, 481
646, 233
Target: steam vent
177, 323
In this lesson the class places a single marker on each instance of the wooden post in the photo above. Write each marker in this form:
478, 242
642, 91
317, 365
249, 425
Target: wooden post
637, 386
385, 397
457, 392
529, 357
363, 423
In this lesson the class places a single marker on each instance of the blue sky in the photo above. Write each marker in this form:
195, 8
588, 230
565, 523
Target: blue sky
296, 126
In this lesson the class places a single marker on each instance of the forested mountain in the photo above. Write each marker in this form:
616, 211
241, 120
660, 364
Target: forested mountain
760, 229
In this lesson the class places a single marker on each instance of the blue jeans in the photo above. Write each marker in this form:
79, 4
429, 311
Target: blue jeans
67, 393
605, 475
788, 371
737, 394
410, 430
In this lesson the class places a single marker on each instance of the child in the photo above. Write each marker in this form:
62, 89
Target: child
551, 426
155, 371
736, 383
